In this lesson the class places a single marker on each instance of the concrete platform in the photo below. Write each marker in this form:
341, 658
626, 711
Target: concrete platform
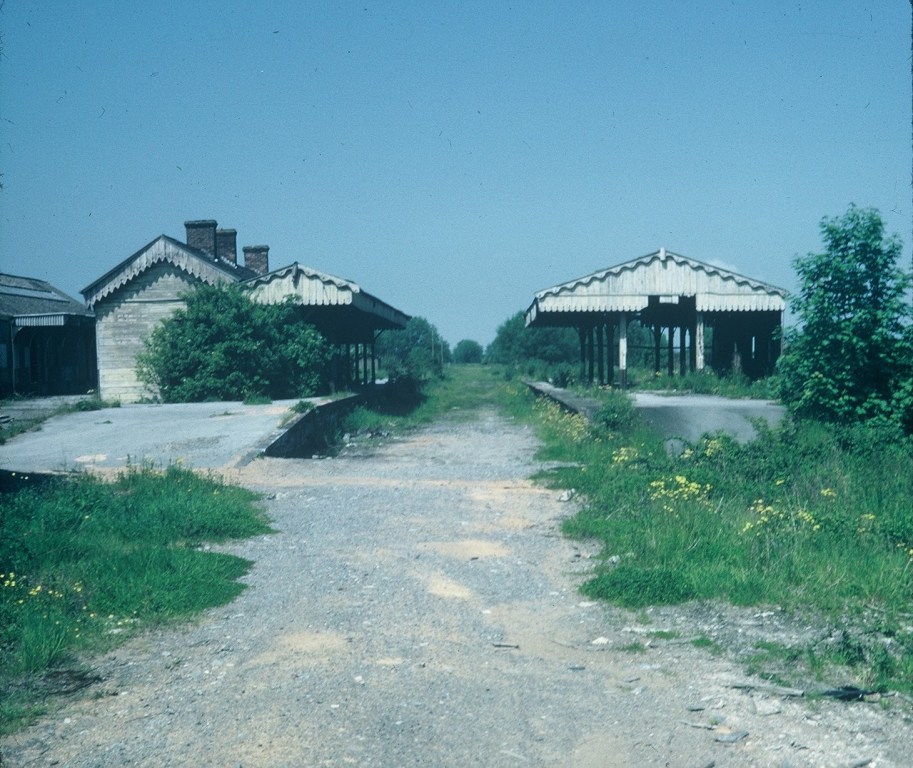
199, 435
687, 417
680, 417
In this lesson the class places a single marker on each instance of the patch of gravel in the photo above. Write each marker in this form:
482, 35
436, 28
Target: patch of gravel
419, 607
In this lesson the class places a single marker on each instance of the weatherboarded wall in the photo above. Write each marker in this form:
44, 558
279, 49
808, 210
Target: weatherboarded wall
126, 318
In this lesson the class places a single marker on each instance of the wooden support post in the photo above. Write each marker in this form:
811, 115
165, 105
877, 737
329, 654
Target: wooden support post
670, 351
682, 351
600, 350
14, 361
610, 352
657, 339
589, 355
623, 350
353, 365
581, 334
699, 342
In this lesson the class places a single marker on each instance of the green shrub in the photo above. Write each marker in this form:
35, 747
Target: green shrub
616, 414
222, 346
851, 359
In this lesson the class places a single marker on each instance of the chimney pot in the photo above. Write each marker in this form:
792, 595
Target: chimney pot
201, 234
227, 244
256, 258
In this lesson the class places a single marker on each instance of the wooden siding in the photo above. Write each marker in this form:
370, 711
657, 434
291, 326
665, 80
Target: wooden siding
162, 250
125, 319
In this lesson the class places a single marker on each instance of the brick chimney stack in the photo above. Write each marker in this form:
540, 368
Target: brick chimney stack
227, 244
202, 235
256, 258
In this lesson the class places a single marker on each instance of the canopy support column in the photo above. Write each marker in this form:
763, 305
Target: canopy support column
600, 350
589, 355
581, 334
657, 338
623, 350
697, 343
610, 353
683, 350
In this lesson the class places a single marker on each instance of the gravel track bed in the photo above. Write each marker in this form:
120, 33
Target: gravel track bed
418, 607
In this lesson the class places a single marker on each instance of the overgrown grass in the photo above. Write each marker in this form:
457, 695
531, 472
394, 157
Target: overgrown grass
459, 393
808, 517
84, 564
706, 382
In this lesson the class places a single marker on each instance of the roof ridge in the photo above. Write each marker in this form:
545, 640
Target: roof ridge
131, 267
661, 254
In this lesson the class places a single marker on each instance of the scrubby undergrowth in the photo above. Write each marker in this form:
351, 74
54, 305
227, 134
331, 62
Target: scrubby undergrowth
84, 564
808, 517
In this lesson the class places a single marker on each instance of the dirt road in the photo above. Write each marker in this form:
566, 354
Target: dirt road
418, 607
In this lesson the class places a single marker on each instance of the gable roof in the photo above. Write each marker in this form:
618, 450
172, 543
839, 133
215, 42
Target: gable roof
313, 289
31, 302
627, 287
165, 250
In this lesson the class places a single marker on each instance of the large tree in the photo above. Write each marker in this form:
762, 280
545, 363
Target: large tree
467, 351
515, 343
851, 358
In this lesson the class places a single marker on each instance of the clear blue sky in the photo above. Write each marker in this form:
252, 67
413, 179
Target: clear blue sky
451, 158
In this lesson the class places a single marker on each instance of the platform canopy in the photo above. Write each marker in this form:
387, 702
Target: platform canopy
672, 294
344, 314
337, 307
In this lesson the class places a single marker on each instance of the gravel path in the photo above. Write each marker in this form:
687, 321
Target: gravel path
418, 607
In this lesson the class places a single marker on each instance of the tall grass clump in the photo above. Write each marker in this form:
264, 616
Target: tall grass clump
84, 563
808, 517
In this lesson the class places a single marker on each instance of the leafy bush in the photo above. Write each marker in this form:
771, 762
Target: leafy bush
617, 413
222, 346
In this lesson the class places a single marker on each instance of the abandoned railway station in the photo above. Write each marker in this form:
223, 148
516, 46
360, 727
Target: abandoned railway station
682, 301
129, 300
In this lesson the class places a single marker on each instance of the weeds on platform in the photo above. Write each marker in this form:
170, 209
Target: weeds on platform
84, 564
807, 517
706, 382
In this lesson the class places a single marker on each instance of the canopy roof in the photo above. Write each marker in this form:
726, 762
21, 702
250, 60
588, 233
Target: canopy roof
28, 301
660, 277
339, 308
